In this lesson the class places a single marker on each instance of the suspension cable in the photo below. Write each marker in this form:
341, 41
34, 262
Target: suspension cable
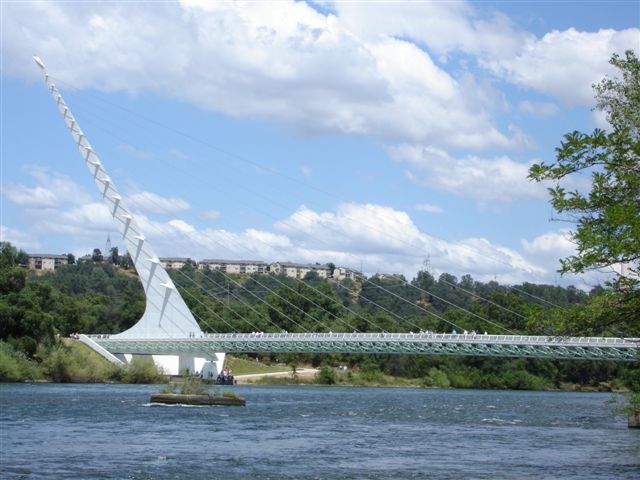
403, 240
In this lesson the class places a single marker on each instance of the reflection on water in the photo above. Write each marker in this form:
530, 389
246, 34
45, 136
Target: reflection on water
112, 431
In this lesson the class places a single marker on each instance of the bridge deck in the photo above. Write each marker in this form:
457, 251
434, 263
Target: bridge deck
594, 348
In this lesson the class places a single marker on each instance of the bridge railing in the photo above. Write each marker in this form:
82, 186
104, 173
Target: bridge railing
475, 338
429, 336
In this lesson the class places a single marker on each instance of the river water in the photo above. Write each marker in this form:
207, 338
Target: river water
111, 431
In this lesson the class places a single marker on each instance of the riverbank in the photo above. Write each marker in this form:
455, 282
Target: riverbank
357, 379
72, 362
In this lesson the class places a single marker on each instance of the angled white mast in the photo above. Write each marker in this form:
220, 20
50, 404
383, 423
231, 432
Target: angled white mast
166, 315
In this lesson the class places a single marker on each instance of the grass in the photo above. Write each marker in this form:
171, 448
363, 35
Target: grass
242, 366
360, 379
71, 361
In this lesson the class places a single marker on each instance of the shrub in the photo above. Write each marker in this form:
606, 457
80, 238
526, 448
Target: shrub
15, 366
436, 378
326, 376
141, 370
192, 385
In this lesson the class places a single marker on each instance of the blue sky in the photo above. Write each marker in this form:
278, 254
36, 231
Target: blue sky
373, 135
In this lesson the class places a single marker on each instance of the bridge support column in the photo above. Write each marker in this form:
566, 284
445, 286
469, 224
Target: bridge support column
212, 367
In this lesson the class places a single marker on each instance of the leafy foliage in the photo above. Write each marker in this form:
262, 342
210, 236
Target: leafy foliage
607, 217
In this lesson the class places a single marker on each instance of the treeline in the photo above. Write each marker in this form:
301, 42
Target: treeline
97, 296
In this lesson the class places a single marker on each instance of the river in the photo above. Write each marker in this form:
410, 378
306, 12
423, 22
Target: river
111, 431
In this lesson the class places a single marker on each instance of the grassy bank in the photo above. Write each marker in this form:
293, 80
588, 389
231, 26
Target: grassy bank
69, 361
245, 366
435, 378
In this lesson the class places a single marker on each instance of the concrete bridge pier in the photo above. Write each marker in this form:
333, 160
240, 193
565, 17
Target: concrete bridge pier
177, 364
212, 367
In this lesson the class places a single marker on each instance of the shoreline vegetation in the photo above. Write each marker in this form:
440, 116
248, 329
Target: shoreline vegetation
74, 362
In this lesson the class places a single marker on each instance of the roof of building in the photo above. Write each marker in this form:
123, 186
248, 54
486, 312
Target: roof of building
233, 262
315, 266
46, 255
175, 259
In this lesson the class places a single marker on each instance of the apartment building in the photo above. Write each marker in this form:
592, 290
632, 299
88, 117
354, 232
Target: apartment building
299, 270
343, 273
238, 267
175, 263
46, 261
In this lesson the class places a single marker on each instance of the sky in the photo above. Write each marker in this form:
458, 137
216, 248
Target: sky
387, 137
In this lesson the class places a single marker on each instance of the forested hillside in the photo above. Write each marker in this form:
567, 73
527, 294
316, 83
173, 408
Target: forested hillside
101, 297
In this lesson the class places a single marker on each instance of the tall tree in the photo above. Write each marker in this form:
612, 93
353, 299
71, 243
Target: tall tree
114, 256
97, 255
607, 217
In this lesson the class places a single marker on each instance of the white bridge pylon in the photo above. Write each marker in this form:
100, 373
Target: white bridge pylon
166, 315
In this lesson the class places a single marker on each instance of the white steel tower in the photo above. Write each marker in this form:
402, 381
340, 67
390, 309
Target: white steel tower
166, 315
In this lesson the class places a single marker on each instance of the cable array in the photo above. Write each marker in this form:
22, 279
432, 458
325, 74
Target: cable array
284, 285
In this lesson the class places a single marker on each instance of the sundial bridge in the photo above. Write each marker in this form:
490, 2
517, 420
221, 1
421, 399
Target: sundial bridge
170, 334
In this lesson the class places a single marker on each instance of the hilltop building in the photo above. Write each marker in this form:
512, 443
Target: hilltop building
175, 263
46, 261
299, 270
239, 267
343, 273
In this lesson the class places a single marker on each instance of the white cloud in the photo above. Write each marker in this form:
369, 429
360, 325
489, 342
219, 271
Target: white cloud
52, 190
444, 27
19, 239
549, 248
154, 203
281, 61
30, 197
559, 242
425, 207
387, 240
373, 237
497, 179
565, 64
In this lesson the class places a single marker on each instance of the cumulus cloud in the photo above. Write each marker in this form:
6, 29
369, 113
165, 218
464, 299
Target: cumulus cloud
559, 242
495, 179
373, 237
52, 190
386, 240
444, 27
154, 203
19, 238
548, 248
282, 61
30, 197
565, 64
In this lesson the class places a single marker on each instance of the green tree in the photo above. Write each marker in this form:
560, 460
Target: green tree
607, 217
97, 255
126, 261
114, 256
